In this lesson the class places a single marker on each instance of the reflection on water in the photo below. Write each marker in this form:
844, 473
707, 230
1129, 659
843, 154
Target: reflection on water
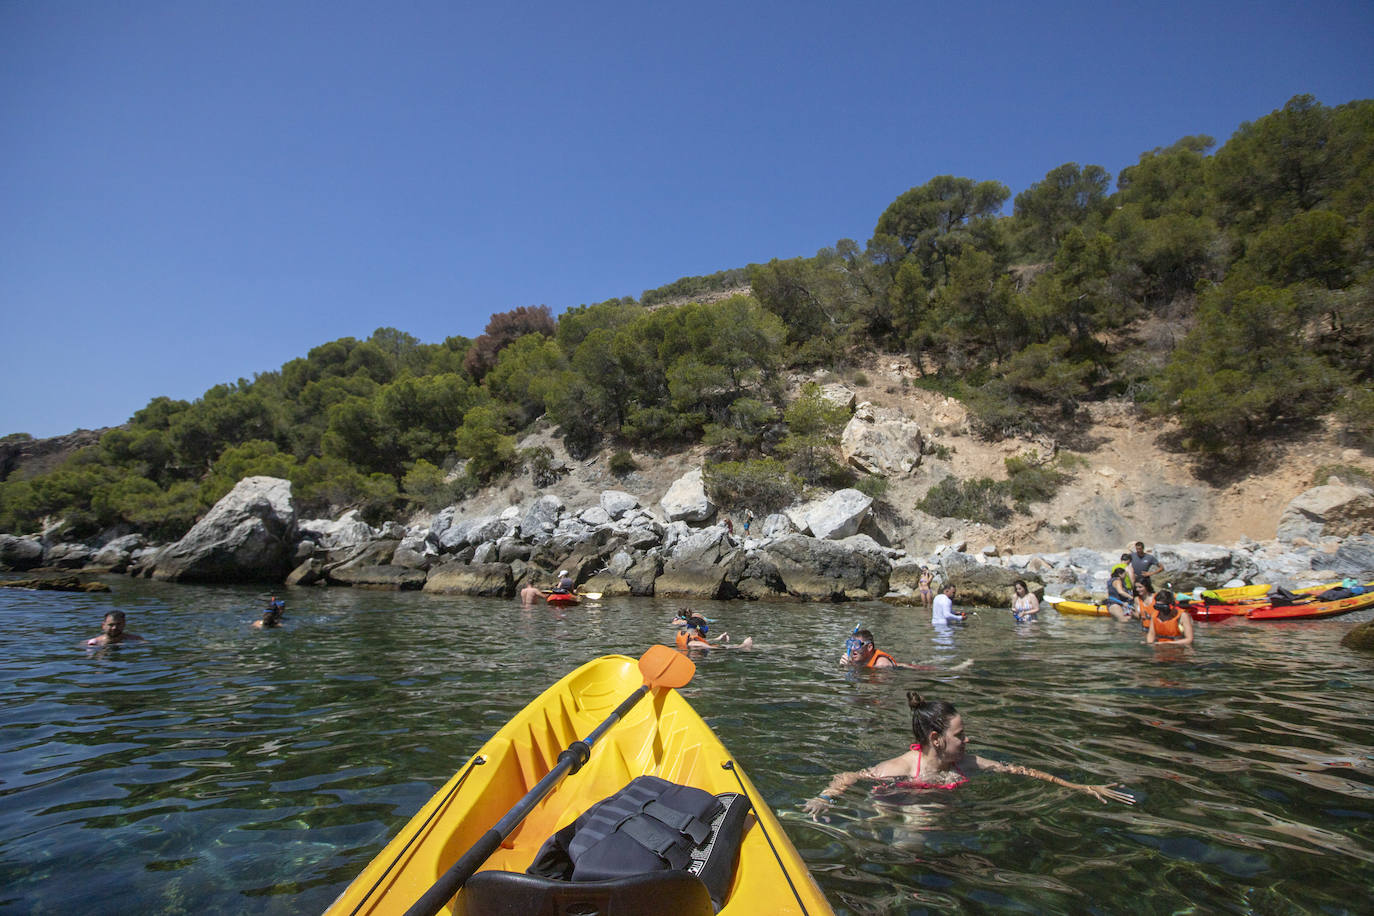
220, 769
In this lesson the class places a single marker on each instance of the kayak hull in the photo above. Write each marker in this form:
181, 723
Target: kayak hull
1081, 608
660, 736
1313, 611
562, 600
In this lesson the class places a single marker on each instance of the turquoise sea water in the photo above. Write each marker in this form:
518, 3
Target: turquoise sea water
218, 769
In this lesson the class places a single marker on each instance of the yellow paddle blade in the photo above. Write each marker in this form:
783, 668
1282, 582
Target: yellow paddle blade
664, 666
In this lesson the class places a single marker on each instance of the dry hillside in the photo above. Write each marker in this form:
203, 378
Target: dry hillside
1129, 485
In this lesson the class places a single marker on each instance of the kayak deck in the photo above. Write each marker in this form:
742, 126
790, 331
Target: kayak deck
660, 736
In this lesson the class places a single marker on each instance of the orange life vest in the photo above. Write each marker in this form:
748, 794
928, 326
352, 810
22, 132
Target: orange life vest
1146, 611
1169, 629
877, 654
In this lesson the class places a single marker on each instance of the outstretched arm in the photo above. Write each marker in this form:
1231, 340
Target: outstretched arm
1102, 793
841, 782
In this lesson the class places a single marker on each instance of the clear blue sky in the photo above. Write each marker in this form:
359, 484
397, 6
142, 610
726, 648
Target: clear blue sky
193, 192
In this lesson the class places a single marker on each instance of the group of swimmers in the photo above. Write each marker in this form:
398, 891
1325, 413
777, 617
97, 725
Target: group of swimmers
113, 626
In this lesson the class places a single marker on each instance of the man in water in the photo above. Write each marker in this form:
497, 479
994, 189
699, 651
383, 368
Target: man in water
862, 653
530, 596
112, 631
942, 612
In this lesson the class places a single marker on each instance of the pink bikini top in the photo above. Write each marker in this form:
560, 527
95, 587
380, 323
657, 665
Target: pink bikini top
916, 782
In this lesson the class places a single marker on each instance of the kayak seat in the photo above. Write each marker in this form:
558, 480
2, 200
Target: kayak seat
508, 893
653, 842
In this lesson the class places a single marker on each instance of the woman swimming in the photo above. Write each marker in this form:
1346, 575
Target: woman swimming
938, 761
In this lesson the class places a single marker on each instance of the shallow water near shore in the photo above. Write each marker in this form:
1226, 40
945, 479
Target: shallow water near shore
218, 769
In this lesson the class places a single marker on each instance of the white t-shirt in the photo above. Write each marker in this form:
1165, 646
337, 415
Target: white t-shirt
942, 610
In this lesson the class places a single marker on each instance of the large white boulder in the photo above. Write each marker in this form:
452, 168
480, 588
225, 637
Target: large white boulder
881, 441
839, 515
686, 499
247, 536
1333, 510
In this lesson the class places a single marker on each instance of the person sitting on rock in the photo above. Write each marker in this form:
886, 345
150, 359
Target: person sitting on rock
112, 631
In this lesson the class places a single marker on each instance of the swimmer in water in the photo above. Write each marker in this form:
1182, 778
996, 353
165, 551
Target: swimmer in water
270, 617
112, 631
938, 761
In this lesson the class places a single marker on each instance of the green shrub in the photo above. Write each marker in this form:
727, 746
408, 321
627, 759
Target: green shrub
538, 460
979, 500
871, 486
763, 484
1029, 481
427, 486
1348, 473
622, 463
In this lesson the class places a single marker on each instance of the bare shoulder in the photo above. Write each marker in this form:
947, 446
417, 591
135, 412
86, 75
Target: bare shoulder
907, 764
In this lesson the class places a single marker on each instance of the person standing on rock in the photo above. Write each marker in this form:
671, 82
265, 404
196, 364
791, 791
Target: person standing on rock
1144, 565
942, 612
926, 587
748, 518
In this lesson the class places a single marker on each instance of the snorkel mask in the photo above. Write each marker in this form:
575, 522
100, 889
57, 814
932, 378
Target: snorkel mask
853, 643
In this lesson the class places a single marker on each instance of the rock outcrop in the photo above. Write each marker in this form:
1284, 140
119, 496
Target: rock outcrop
20, 553
881, 441
1332, 510
249, 535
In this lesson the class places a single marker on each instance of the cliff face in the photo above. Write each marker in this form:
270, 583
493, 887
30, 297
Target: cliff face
27, 457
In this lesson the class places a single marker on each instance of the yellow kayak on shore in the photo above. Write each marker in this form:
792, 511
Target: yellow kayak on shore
659, 736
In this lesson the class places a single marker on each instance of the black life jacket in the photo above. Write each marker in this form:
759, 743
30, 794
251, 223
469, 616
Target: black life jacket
650, 825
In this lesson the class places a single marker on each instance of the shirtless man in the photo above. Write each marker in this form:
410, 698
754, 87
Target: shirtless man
531, 596
112, 631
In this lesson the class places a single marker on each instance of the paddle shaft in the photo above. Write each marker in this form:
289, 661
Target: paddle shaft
451, 881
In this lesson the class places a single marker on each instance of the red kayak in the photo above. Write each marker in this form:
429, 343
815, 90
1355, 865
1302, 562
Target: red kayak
563, 600
1313, 610
1264, 610
1211, 613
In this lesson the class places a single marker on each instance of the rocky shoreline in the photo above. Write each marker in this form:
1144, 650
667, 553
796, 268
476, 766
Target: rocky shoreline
826, 551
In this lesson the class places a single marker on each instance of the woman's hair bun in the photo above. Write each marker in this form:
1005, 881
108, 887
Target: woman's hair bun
913, 698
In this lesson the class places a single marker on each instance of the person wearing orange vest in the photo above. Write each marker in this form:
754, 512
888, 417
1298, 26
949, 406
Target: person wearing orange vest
1144, 604
865, 654
692, 635
1169, 623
